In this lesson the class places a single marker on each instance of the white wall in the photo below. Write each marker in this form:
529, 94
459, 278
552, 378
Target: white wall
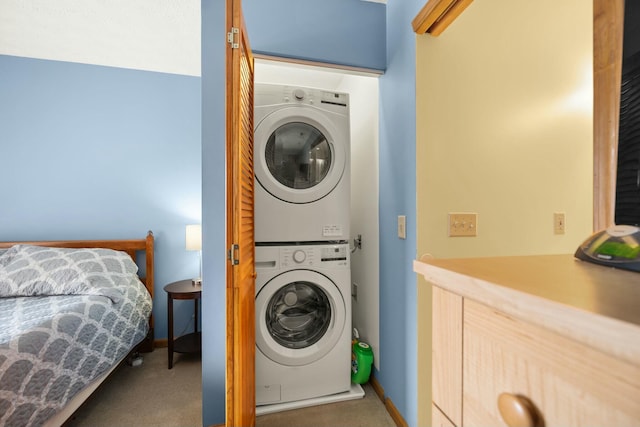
363, 96
364, 207
146, 35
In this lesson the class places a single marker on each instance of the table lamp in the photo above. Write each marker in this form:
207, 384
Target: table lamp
193, 242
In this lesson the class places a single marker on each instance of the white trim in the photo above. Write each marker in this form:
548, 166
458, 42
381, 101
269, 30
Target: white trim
356, 392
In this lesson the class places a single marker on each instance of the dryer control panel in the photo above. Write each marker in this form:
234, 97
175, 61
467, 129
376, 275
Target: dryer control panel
268, 94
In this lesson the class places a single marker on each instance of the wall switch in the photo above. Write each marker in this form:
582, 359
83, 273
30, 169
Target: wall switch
463, 224
558, 223
402, 226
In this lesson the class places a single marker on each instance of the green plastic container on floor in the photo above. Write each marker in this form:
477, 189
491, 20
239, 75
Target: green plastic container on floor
361, 361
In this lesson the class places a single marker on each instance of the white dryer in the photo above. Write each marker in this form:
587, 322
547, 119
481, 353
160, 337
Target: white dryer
302, 163
303, 322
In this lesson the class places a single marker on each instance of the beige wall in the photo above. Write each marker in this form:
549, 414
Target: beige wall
504, 129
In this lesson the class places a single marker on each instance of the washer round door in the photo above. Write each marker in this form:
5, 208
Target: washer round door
301, 155
300, 316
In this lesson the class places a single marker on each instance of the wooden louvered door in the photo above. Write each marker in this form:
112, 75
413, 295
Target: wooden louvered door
240, 357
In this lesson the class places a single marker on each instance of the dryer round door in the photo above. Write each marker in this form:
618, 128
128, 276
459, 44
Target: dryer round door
300, 316
301, 155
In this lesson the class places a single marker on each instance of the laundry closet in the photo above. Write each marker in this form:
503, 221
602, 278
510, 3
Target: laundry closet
316, 208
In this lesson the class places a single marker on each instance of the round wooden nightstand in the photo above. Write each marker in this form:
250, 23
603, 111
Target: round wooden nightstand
192, 342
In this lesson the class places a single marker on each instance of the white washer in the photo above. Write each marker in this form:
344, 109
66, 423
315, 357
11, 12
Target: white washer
303, 322
302, 164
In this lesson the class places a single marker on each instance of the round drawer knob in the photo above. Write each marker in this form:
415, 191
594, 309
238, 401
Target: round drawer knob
518, 411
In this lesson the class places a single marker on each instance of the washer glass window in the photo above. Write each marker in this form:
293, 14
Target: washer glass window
298, 315
298, 155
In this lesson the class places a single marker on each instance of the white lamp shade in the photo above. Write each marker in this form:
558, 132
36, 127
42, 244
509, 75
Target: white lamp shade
193, 241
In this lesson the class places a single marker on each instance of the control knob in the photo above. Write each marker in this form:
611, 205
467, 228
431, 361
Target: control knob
299, 94
299, 256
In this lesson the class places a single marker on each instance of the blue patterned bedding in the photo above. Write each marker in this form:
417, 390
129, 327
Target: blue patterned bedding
85, 310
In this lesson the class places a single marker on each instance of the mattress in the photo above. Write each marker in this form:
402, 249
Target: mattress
67, 316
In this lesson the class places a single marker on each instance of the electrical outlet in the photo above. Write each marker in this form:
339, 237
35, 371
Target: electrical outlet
463, 224
354, 291
558, 223
402, 226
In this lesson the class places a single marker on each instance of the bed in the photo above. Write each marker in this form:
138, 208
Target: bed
70, 313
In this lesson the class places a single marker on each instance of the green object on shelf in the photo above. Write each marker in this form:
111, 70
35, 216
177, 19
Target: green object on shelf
361, 361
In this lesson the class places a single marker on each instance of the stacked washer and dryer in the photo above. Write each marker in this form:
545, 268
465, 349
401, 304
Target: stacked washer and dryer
302, 213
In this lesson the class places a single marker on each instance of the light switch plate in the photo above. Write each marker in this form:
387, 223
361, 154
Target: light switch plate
402, 226
463, 224
558, 222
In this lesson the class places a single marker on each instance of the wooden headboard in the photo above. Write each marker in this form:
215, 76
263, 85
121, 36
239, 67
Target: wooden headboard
130, 246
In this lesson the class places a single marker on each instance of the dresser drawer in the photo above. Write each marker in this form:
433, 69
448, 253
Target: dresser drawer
446, 355
438, 419
568, 383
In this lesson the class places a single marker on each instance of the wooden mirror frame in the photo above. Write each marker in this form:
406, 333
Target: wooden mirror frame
608, 21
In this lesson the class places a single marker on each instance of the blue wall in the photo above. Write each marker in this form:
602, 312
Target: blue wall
345, 32
398, 319
92, 152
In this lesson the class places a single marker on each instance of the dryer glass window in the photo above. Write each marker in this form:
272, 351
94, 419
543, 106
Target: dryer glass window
298, 155
298, 315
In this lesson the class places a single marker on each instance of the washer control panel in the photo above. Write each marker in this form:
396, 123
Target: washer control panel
318, 256
334, 253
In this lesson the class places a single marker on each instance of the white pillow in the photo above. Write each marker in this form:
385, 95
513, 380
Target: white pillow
38, 270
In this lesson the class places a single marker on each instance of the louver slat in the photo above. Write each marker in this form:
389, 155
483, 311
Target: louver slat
628, 175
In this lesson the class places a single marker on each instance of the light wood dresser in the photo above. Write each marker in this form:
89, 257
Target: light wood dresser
533, 341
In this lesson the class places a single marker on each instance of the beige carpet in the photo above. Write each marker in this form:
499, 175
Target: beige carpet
153, 396
366, 412
149, 395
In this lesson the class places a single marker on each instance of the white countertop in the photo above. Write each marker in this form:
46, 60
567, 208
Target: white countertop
593, 304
